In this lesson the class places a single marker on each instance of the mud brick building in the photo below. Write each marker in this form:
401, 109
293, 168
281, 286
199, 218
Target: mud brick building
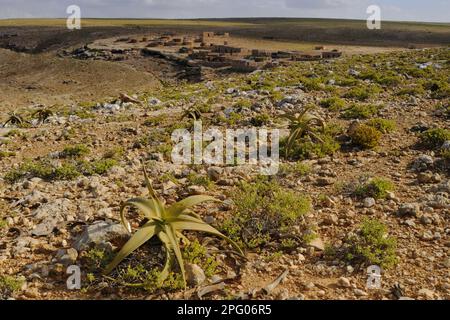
212, 37
229, 50
306, 56
244, 65
331, 54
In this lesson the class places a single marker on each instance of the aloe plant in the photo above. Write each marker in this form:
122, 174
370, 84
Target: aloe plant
14, 119
43, 114
303, 125
192, 113
166, 223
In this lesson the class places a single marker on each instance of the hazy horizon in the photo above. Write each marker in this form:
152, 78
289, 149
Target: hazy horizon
228, 18
433, 11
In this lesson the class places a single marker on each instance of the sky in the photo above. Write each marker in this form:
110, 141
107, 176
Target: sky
400, 10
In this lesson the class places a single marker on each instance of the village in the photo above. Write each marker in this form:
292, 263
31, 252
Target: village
198, 55
214, 50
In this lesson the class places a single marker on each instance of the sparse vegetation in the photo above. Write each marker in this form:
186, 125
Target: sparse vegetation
66, 170
309, 217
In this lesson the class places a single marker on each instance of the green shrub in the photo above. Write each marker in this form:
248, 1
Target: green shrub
243, 103
361, 111
302, 150
98, 166
366, 137
346, 82
312, 84
439, 89
154, 121
6, 154
371, 245
377, 188
411, 91
67, 171
333, 104
199, 180
382, 125
78, 150
260, 120
434, 138
9, 285
116, 153
358, 93
297, 169
263, 209
390, 81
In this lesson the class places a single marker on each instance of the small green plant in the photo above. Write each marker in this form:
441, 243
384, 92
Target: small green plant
195, 253
154, 121
66, 170
79, 150
99, 167
167, 224
115, 153
298, 169
445, 109
9, 285
96, 258
439, 89
260, 120
333, 104
243, 103
199, 180
6, 154
358, 93
434, 138
361, 111
382, 125
411, 91
377, 188
365, 136
12, 133
371, 245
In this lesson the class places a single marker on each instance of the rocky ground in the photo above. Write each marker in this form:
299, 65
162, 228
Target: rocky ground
351, 199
